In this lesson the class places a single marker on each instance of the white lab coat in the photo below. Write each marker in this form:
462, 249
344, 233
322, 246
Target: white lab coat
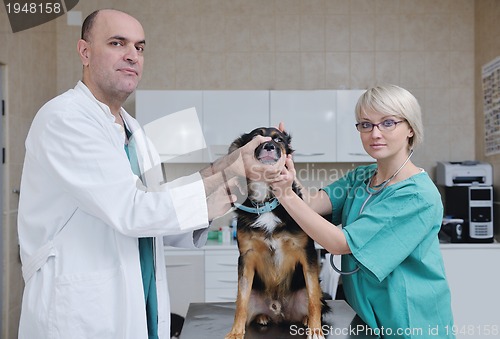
81, 212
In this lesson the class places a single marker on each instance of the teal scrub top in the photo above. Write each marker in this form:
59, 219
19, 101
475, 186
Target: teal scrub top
401, 289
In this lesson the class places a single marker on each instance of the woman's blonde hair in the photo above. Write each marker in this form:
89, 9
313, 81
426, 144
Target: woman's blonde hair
393, 100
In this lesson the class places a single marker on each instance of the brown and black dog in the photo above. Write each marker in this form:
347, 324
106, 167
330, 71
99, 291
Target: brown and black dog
278, 269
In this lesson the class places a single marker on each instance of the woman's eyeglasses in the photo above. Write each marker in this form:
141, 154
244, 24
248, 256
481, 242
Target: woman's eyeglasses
384, 126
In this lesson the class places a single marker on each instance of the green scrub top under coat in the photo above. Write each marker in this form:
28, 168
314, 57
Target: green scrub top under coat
146, 255
401, 288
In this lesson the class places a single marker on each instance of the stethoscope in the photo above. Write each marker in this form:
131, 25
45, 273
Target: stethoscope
371, 192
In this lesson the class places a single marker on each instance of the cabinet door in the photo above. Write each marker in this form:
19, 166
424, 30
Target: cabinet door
228, 114
474, 277
309, 116
349, 146
221, 275
175, 144
185, 274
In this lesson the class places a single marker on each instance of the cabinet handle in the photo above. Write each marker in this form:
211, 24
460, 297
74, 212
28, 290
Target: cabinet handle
358, 154
227, 298
232, 281
226, 264
178, 265
172, 154
308, 154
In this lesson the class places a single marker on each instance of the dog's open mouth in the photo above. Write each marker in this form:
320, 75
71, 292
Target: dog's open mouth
268, 157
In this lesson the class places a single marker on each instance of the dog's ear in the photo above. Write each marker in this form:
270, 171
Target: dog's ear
288, 137
234, 146
242, 140
288, 142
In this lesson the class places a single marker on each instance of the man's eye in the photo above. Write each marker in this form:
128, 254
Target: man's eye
115, 43
388, 123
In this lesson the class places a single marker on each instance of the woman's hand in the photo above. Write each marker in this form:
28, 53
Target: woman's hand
282, 185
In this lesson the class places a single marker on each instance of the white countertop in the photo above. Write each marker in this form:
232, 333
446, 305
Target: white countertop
494, 245
216, 245
210, 245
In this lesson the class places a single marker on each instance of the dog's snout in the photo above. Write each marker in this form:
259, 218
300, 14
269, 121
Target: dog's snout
269, 147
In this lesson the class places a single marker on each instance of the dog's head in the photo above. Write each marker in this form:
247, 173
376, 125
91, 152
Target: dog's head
268, 152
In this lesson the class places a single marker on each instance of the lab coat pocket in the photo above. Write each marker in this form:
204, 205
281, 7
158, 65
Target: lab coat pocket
89, 305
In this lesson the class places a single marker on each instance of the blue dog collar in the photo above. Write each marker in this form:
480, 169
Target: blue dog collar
266, 207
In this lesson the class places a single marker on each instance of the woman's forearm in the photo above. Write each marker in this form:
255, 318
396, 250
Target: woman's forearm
318, 228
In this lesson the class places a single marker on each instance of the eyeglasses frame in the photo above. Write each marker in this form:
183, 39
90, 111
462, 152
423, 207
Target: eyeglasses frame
380, 123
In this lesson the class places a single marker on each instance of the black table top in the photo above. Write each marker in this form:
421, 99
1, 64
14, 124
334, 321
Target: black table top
214, 321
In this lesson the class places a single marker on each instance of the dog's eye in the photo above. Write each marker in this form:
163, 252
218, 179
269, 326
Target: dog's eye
278, 139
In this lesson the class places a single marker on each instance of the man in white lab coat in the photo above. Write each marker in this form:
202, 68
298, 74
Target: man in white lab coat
92, 191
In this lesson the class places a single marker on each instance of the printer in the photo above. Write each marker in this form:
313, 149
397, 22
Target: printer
468, 201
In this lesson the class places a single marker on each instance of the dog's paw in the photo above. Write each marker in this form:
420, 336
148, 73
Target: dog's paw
262, 319
315, 333
235, 335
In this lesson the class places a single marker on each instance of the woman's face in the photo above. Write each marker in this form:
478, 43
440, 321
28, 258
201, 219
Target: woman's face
388, 139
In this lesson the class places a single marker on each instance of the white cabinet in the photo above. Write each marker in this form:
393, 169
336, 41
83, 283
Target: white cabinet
228, 114
208, 274
221, 275
321, 122
309, 117
185, 271
349, 146
153, 105
474, 277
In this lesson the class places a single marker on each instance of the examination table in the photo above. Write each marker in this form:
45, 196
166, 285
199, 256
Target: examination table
214, 321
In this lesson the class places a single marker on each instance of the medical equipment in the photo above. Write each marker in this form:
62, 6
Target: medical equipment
371, 192
468, 197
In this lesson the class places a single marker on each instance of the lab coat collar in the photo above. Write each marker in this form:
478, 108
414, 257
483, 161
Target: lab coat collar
81, 87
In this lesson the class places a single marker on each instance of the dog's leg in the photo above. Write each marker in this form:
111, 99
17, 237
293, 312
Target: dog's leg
314, 293
245, 279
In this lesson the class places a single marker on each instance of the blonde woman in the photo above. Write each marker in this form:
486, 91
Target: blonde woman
391, 214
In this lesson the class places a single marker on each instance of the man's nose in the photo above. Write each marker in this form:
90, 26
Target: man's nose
132, 55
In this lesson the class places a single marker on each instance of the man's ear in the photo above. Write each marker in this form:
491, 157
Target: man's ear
83, 51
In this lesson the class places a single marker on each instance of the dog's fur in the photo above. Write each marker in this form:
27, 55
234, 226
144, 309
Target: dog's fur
278, 270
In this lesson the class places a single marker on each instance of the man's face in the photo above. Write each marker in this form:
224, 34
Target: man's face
114, 56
